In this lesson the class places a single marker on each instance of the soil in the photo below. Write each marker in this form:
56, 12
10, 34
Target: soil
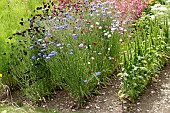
155, 99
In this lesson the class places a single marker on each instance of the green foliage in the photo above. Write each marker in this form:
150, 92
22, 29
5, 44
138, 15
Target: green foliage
11, 12
144, 56
59, 53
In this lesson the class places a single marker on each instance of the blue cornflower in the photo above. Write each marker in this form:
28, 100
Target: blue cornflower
100, 4
97, 73
66, 13
43, 50
31, 19
53, 52
85, 81
51, 43
65, 25
47, 34
49, 17
31, 23
85, 47
39, 40
79, 25
31, 47
33, 57
58, 45
49, 55
38, 21
75, 35
64, 19
68, 44
44, 55
44, 45
71, 51
39, 54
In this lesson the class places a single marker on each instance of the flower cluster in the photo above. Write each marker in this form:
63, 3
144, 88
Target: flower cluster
79, 41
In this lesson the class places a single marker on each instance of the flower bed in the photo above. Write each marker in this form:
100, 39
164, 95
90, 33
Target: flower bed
78, 46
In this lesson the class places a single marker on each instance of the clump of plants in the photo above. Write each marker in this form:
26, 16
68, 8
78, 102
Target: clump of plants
74, 47
147, 51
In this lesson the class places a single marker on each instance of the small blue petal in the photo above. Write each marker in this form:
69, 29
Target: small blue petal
97, 73
43, 50
31, 47
39, 54
85, 81
71, 53
51, 43
75, 35
58, 45
33, 57
68, 44
53, 52
44, 56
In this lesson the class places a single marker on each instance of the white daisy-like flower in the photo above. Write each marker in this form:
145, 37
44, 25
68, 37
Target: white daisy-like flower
100, 27
92, 26
109, 35
97, 23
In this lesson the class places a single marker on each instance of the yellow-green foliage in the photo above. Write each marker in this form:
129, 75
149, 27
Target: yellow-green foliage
11, 12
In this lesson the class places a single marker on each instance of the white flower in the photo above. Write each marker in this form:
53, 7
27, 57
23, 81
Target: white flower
105, 34
113, 29
91, 14
168, 23
120, 40
97, 23
109, 12
108, 49
88, 63
109, 35
4, 111
100, 27
91, 26
157, 5
152, 17
81, 45
92, 58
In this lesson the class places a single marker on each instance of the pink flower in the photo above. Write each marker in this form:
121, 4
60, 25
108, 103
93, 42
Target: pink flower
81, 45
86, 28
60, 7
95, 43
90, 70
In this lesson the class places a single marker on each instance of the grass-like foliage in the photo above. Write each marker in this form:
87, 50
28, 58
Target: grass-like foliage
72, 48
